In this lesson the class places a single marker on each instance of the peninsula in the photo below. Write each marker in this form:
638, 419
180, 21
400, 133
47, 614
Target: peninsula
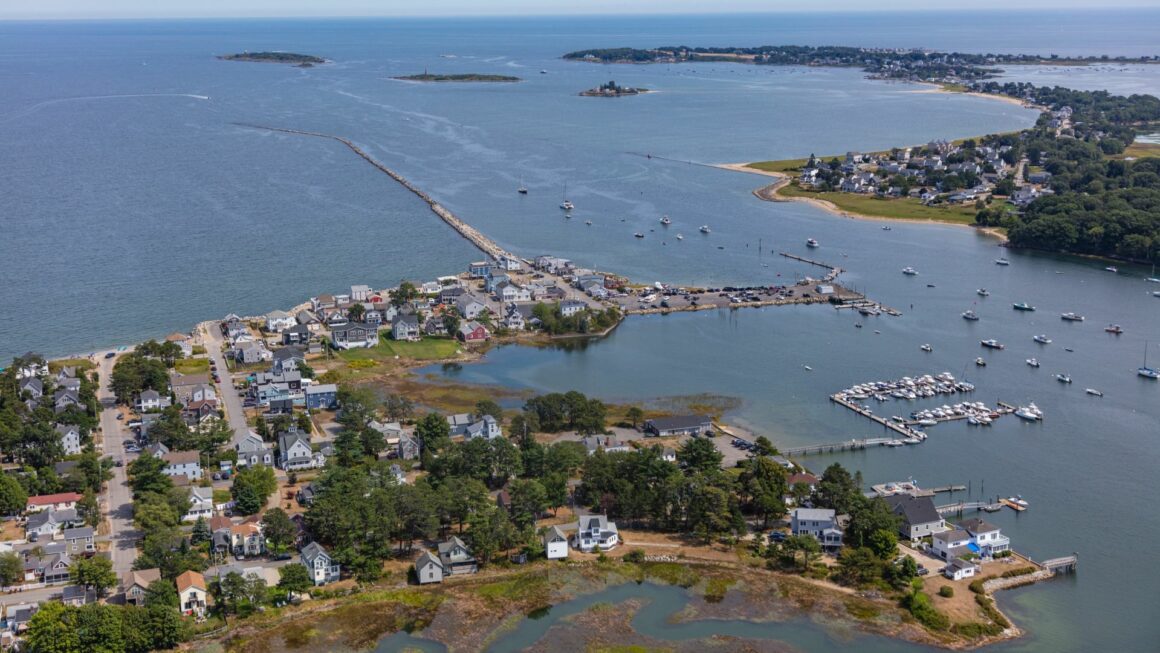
459, 77
612, 89
300, 60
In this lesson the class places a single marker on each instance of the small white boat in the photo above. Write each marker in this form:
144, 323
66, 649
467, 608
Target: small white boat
1093, 392
1002, 261
970, 316
588, 222
808, 368
980, 362
886, 228
927, 348
680, 237
1063, 378
1042, 339
811, 243
909, 271
705, 229
1112, 268
1071, 317
666, 221
983, 292
1033, 362
1114, 329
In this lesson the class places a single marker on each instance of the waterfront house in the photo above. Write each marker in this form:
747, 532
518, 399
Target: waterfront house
322, 302
294, 451
570, 307
60, 501
809, 176
183, 463
514, 320
986, 537
428, 569
434, 326
555, 543
951, 544
553, 265
508, 263
287, 359
679, 425
510, 292
309, 320
821, 523
919, 516
135, 584
33, 386
485, 427
492, 283
279, 321
360, 293
252, 353
406, 327
322, 396
449, 295
459, 422
323, 569
192, 596
456, 557
70, 438
479, 270
200, 504
469, 307
472, 332
958, 569
596, 532
354, 335
79, 541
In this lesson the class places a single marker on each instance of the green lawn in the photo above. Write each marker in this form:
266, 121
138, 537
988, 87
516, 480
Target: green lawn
901, 208
425, 349
785, 165
191, 365
79, 363
1140, 150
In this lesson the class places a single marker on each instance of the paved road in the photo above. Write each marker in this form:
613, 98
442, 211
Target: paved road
118, 498
232, 405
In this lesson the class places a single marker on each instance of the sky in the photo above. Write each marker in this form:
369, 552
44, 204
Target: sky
81, 9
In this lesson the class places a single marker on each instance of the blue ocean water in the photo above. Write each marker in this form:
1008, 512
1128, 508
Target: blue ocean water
133, 204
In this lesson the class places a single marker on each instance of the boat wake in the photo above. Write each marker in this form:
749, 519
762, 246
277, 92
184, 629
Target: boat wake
27, 111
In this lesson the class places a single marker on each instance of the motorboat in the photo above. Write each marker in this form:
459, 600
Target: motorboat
1114, 328
1063, 378
927, 348
983, 292
705, 229
1112, 268
1042, 339
680, 237
909, 271
1002, 261
1030, 412
971, 315
812, 243
886, 228
588, 222
1071, 317
1023, 306
991, 343
638, 235
1093, 392
1018, 500
980, 362
666, 221
1033, 362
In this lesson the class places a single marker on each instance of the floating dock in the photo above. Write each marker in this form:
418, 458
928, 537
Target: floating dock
901, 429
965, 506
848, 445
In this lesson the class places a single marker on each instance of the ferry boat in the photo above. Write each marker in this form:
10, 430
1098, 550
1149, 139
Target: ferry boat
1114, 328
1033, 362
971, 315
1042, 339
909, 271
705, 229
983, 292
1023, 306
1093, 392
1002, 261
991, 343
927, 348
980, 362
1071, 317
1063, 378
666, 221
812, 243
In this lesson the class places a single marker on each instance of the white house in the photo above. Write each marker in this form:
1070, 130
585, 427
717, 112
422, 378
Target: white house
151, 400
191, 593
252, 450
469, 307
70, 438
360, 293
596, 532
570, 307
986, 537
294, 452
820, 523
318, 562
183, 463
487, 427
428, 569
555, 543
279, 321
200, 504
951, 544
958, 569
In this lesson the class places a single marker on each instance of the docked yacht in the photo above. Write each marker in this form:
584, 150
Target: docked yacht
1030, 412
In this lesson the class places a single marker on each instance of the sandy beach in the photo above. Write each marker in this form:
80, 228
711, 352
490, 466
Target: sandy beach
939, 88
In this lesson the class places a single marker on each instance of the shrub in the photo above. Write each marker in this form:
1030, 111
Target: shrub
988, 606
636, 555
1022, 571
919, 605
946, 591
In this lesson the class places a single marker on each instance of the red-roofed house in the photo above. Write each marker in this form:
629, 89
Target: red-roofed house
62, 501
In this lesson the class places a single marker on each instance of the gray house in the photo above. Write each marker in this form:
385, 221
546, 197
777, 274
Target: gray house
428, 569
294, 451
679, 425
252, 450
821, 523
456, 558
919, 516
321, 566
406, 327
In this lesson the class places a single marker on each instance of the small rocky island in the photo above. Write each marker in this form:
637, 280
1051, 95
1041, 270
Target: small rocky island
612, 89
300, 60
461, 77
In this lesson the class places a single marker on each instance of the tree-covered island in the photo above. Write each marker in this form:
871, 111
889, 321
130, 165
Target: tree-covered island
612, 89
301, 60
459, 77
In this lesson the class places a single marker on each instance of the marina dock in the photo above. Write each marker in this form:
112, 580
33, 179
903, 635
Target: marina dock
848, 445
967, 506
899, 428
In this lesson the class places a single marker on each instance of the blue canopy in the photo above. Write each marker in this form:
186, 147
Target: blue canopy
973, 547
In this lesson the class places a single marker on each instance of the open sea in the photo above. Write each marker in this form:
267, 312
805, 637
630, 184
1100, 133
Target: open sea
133, 204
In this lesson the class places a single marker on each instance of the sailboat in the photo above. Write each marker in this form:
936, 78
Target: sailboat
1153, 278
1145, 371
567, 203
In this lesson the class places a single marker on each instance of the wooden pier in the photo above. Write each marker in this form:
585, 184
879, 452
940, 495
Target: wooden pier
964, 506
900, 429
1066, 564
848, 445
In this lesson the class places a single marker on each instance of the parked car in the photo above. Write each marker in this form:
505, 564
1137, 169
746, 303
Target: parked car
120, 415
111, 354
